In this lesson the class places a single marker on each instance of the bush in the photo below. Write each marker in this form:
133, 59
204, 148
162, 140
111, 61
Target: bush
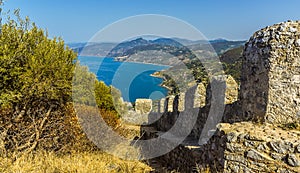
35, 90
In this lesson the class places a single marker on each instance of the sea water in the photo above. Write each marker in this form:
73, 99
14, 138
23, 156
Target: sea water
134, 80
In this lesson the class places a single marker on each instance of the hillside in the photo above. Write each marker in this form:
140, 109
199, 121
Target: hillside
232, 62
172, 46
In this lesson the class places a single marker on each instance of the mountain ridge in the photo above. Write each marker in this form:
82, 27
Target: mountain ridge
127, 48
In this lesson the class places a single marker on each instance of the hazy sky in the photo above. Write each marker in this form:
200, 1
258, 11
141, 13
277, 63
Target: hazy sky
78, 21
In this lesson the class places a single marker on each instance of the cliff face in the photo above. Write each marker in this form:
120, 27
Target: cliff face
270, 83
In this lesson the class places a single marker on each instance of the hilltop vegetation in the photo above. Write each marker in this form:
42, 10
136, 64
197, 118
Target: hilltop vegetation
232, 62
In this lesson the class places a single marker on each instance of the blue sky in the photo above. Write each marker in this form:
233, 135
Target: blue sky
78, 20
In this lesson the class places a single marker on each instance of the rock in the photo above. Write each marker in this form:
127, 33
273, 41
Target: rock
292, 160
276, 156
293, 30
181, 101
200, 96
297, 42
282, 147
231, 93
249, 143
231, 137
262, 147
298, 148
230, 148
255, 155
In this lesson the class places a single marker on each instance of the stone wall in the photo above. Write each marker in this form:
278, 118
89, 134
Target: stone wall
260, 148
251, 137
240, 147
197, 99
270, 89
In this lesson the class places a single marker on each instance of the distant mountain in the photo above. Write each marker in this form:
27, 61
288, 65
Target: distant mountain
219, 40
166, 42
92, 49
76, 45
174, 46
129, 48
223, 46
187, 42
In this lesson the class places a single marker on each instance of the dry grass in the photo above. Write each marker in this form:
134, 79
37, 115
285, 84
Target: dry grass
44, 162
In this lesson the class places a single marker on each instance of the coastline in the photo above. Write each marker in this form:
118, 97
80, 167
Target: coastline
154, 74
115, 59
163, 78
143, 63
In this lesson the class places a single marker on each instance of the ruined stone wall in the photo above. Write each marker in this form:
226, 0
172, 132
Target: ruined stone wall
270, 83
269, 97
196, 99
240, 147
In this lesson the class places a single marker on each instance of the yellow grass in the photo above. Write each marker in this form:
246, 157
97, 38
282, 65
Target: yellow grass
44, 162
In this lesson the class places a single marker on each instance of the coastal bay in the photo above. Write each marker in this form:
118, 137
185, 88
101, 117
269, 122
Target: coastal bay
134, 80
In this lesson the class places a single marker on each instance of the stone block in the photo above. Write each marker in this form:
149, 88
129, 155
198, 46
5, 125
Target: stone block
143, 106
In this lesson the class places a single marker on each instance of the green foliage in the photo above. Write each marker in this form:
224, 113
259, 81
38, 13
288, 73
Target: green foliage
37, 87
83, 86
232, 62
89, 91
109, 98
103, 95
32, 65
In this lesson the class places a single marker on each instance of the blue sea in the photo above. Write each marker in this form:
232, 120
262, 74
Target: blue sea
134, 80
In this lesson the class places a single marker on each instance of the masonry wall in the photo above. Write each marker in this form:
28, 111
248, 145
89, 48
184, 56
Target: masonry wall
242, 148
250, 137
270, 89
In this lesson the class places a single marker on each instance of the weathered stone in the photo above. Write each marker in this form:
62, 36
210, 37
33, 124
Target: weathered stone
181, 102
231, 93
283, 170
277, 147
255, 155
269, 64
249, 143
269, 92
170, 103
200, 95
281, 147
262, 147
292, 160
233, 147
232, 137
237, 158
162, 105
276, 156
230, 148
297, 42
143, 106
241, 137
